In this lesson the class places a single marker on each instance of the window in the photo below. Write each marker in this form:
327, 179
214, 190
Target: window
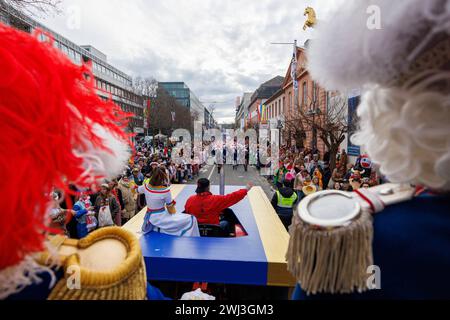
77, 57
315, 92
305, 93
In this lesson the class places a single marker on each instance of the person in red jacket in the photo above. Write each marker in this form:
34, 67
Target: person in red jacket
208, 208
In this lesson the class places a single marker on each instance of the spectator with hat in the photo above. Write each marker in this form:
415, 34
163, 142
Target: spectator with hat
137, 176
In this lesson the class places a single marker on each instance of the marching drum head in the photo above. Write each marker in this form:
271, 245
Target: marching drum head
331, 208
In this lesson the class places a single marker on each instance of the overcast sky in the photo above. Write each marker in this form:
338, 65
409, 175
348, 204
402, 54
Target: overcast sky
219, 48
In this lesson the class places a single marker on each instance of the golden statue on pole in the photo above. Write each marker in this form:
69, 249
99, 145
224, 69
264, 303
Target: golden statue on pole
311, 20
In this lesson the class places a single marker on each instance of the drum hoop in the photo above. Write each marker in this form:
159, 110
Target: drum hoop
305, 215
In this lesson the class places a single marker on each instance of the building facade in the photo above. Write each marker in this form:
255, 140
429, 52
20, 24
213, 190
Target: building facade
242, 110
256, 114
275, 110
210, 123
110, 82
298, 113
185, 97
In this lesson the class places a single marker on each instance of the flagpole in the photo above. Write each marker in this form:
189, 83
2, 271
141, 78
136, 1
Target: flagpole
293, 72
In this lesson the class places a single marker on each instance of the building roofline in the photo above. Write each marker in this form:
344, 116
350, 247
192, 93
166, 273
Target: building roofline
275, 95
35, 24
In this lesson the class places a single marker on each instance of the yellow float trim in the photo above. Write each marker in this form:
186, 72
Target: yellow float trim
274, 237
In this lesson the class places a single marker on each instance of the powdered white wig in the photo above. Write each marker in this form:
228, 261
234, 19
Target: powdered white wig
345, 53
404, 69
407, 132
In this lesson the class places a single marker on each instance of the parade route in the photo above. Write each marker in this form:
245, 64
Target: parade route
236, 177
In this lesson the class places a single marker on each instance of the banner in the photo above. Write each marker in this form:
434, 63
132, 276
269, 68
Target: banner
264, 114
294, 73
353, 104
258, 111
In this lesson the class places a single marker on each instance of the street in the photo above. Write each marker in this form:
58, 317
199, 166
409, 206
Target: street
236, 177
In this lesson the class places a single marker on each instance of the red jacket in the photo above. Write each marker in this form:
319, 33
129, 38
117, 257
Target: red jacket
207, 207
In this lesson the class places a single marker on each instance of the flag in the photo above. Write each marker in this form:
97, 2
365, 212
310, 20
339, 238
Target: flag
258, 110
294, 73
264, 113
294, 68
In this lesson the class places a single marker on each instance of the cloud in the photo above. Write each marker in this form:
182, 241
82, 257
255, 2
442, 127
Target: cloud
219, 48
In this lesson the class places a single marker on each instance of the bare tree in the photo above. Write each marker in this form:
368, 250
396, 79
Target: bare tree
145, 86
167, 114
326, 117
33, 7
294, 129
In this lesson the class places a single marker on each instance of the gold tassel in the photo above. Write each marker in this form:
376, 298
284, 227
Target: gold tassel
334, 260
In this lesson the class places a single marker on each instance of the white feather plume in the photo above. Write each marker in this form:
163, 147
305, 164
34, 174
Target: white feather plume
345, 54
106, 163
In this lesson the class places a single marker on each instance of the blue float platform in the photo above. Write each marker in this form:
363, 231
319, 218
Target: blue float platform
256, 259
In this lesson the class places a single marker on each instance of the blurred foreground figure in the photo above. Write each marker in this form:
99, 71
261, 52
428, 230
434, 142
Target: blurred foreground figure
387, 242
57, 134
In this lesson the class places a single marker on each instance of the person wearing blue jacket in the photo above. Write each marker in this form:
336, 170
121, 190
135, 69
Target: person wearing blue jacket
79, 213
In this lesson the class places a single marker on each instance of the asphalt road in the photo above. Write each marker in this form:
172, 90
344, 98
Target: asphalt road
237, 177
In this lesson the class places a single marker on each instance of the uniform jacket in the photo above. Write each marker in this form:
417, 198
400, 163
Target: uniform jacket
410, 247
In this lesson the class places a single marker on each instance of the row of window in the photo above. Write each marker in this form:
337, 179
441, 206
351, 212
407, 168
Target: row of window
71, 53
101, 68
180, 94
76, 57
138, 112
119, 92
276, 108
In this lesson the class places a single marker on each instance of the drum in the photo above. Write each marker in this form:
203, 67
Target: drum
106, 265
